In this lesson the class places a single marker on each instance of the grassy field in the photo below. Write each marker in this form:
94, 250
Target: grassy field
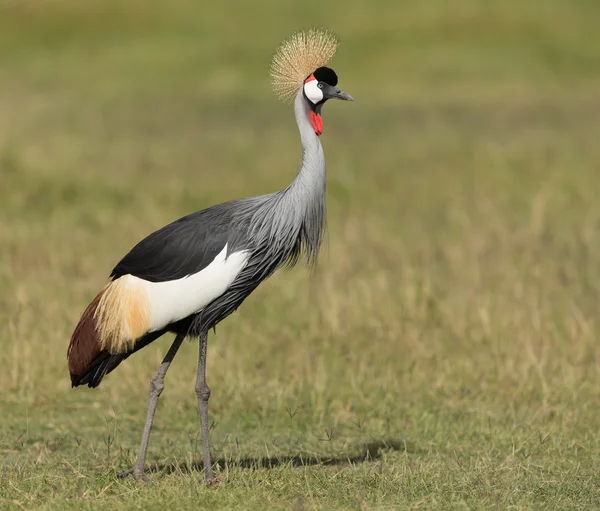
443, 355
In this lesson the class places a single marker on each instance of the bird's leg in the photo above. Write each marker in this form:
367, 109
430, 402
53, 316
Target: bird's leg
203, 393
157, 385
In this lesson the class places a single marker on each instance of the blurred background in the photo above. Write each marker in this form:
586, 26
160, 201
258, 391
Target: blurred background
452, 318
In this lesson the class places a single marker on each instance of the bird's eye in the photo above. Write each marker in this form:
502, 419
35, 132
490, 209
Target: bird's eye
320, 85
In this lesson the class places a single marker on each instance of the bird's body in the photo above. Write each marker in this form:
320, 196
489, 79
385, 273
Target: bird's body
193, 273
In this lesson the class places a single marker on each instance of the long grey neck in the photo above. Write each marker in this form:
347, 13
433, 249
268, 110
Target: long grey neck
307, 191
286, 223
312, 170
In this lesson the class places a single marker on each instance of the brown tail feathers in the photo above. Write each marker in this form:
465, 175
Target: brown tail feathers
84, 347
112, 327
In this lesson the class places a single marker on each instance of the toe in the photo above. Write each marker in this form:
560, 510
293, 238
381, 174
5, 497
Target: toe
123, 475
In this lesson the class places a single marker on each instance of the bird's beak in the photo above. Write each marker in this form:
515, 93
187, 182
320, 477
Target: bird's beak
340, 94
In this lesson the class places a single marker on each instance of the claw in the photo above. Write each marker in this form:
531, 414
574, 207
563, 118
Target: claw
140, 477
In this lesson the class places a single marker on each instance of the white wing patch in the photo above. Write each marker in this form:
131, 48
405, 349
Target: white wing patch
177, 299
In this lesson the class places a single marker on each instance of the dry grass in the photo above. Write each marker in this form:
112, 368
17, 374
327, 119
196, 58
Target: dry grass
443, 355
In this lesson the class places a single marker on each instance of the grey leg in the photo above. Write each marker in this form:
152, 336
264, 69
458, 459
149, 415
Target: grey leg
203, 393
157, 385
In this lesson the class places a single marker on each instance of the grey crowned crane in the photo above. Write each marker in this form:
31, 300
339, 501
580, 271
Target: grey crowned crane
193, 273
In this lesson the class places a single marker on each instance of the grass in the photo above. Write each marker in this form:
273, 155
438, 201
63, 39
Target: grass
443, 355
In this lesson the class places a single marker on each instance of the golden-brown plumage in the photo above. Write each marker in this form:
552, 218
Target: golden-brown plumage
122, 314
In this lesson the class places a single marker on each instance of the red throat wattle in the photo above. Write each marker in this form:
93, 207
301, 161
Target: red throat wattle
317, 122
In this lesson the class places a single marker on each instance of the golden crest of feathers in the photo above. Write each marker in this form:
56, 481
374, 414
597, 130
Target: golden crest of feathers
297, 57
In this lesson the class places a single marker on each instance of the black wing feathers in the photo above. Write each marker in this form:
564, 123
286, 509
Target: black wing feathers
181, 248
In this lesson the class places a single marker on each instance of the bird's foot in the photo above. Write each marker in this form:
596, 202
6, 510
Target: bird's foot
210, 479
138, 475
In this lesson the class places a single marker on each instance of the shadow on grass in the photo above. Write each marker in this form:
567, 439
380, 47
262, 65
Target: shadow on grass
367, 452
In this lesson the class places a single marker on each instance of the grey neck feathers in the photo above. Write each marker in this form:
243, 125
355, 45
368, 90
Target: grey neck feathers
307, 191
292, 221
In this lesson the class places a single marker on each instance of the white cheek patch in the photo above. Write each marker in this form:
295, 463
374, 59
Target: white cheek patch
312, 91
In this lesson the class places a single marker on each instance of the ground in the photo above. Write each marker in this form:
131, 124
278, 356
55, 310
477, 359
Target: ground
444, 352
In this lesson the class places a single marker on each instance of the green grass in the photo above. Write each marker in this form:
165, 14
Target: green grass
444, 355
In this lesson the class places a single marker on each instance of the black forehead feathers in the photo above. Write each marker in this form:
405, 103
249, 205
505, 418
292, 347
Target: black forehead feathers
327, 75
